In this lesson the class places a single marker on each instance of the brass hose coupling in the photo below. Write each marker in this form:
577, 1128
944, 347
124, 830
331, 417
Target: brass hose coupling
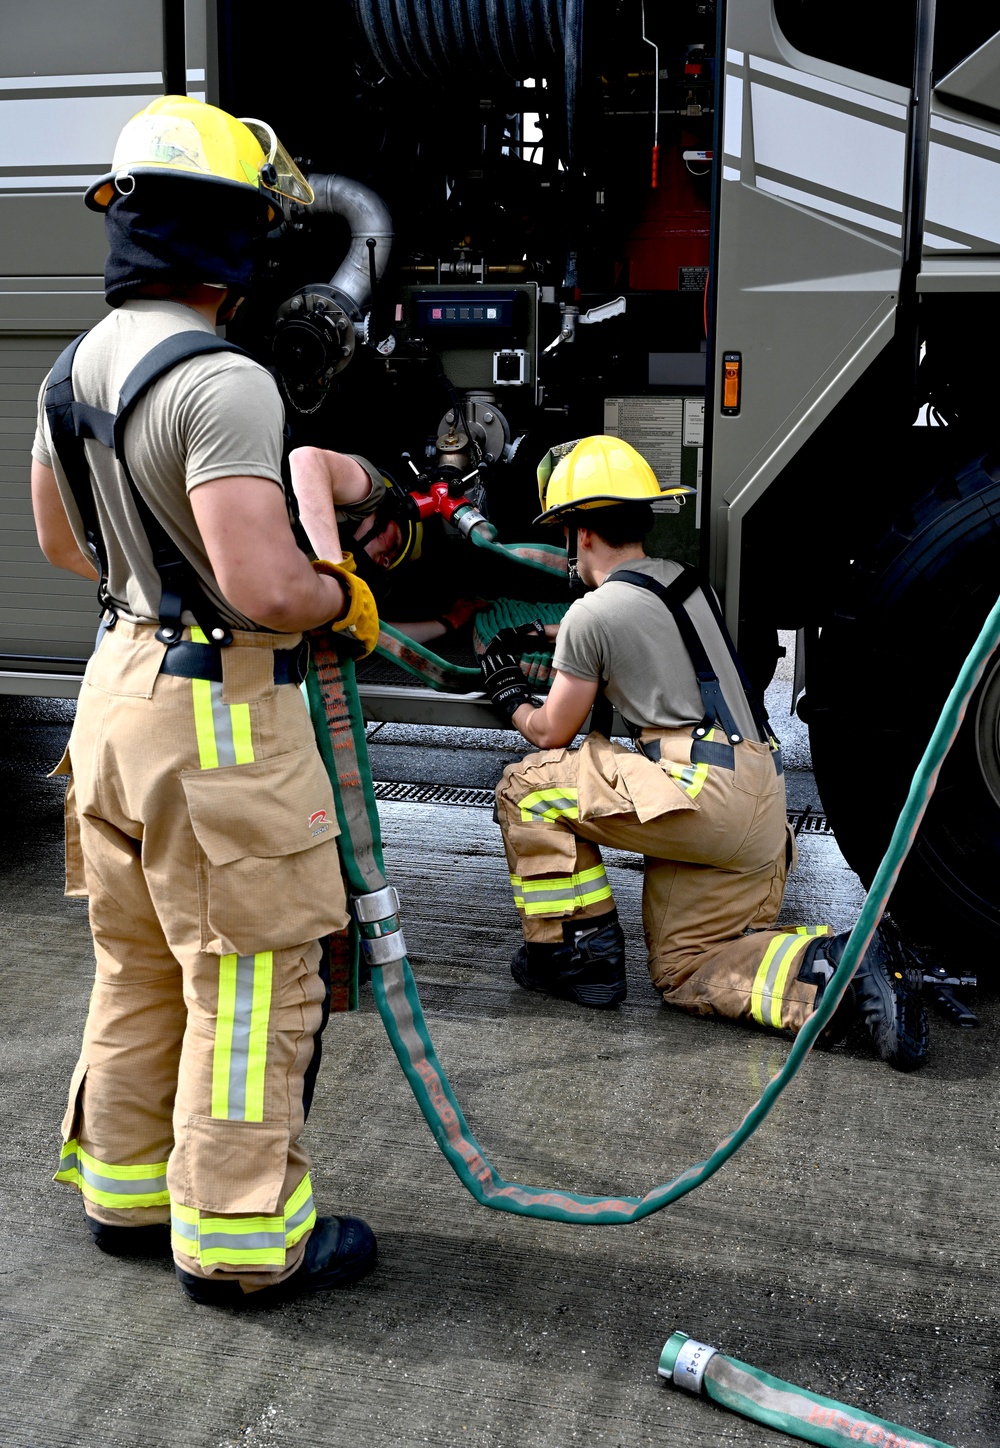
379, 930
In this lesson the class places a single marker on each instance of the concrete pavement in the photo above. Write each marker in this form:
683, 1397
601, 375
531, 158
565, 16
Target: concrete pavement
851, 1247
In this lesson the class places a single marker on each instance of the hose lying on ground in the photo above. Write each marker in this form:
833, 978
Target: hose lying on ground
339, 724
757, 1395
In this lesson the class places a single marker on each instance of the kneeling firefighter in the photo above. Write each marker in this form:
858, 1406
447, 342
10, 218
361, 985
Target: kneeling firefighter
205, 819
702, 798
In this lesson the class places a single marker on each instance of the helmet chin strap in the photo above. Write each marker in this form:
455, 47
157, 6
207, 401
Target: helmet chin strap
229, 306
577, 587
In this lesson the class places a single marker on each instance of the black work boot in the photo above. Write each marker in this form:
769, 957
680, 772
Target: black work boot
587, 967
339, 1251
152, 1240
879, 994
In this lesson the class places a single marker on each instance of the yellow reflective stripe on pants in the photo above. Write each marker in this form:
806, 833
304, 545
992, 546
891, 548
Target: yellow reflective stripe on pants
222, 730
256, 1241
113, 1186
557, 895
690, 777
240, 1055
772, 975
549, 804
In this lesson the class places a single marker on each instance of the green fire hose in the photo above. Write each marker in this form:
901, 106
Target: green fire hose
796, 1411
545, 557
337, 717
424, 664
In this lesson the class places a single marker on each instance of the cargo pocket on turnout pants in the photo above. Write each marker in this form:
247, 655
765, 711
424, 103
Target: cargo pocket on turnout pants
271, 877
236, 1168
614, 780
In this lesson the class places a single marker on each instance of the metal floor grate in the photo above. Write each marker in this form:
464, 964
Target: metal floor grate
803, 822
433, 794
808, 822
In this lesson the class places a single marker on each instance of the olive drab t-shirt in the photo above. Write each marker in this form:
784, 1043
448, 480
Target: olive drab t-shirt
627, 638
214, 416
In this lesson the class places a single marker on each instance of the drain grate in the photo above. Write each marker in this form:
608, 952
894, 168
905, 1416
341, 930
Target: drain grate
802, 821
433, 794
807, 822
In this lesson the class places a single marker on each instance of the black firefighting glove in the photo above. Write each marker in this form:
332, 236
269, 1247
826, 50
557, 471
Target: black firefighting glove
526, 638
503, 677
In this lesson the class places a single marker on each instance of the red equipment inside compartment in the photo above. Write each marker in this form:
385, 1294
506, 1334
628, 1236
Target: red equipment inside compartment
673, 231
438, 500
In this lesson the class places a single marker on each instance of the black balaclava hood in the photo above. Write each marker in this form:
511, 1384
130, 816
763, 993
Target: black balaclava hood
179, 229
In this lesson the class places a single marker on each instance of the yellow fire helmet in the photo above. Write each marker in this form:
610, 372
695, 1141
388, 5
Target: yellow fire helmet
597, 472
177, 134
396, 505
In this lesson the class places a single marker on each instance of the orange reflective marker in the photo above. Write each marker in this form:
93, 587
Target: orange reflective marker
732, 368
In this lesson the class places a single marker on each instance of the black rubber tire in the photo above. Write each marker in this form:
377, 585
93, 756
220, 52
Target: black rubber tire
882, 669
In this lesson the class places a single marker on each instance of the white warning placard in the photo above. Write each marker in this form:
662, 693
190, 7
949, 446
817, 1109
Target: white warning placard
694, 422
654, 426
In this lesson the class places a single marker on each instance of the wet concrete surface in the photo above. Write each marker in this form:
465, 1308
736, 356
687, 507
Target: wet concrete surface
851, 1247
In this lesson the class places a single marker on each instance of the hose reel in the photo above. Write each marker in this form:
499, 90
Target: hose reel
429, 41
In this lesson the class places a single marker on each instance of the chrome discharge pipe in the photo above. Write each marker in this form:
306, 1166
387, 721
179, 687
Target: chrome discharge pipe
368, 217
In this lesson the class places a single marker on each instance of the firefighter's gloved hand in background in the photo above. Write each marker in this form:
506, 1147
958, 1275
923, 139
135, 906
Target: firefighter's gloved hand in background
461, 611
502, 674
527, 638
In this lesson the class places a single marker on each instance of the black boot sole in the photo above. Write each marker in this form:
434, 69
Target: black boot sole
151, 1241
599, 995
893, 1015
311, 1276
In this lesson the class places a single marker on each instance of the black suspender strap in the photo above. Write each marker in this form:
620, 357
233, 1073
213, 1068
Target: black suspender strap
714, 704
71, 421
160, 359
602, 714
179, 584
756, 704
66, 420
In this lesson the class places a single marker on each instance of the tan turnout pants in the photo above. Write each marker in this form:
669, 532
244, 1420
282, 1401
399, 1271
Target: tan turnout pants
206, 829
710, 820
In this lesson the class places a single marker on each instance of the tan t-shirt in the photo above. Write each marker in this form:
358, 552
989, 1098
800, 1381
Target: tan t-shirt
624, 636
215, 416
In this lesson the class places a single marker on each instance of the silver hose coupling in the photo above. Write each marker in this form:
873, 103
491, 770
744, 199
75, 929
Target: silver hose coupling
467, 518
379, 930
692, 1360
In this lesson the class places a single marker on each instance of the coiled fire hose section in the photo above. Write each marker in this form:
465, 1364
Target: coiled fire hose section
444, 675
435, 42
757, 1395
339, 724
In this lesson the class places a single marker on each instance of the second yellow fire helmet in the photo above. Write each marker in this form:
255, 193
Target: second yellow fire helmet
597, 472
186, 136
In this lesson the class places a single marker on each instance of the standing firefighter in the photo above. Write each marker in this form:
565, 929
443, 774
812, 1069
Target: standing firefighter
702, 798
206, 820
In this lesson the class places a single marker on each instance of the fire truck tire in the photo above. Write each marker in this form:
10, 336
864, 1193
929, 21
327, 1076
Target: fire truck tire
883, 667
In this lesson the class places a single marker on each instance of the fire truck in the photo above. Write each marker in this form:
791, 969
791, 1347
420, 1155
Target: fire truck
758, 239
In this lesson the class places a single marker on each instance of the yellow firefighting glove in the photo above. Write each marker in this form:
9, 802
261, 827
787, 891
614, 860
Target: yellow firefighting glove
361, 619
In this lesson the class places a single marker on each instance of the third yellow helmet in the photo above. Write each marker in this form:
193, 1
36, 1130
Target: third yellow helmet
597, 472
